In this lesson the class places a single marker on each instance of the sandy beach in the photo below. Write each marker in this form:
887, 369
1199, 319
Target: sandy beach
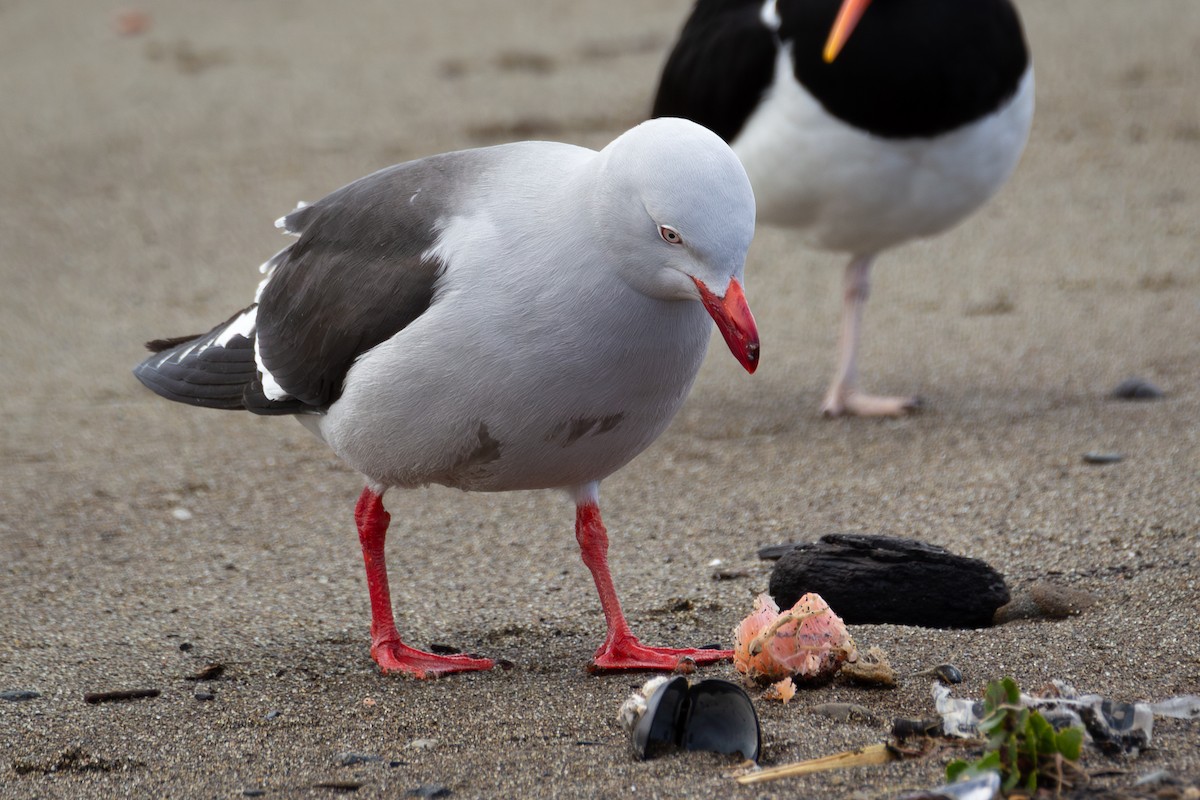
140, 541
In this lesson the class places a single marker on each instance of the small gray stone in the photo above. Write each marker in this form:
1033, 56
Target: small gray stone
1044, 600
204, 696
19, 695
430, 790
1102, 458
946, 673
1136, 389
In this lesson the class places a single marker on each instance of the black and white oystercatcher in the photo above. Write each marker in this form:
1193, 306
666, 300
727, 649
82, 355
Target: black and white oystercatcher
861, 142
525, 316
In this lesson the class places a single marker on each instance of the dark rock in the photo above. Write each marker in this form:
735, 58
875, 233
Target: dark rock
19, 695
1136, 389
430, 790
253, 792
274, 714
772, 552
1102, 458
204, 696
868, 579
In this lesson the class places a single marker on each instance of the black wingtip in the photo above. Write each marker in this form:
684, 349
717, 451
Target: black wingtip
198, 371
159, 345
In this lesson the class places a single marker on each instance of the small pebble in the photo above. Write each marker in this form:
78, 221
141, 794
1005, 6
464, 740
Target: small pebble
93, 698
19, 695
273, 714
253, 792
185, 647
1102, 458
729, 574
181, 514
842, 712
209, 673
350, 759
1044, 600
423, 744
1136, 389
430, 790
1060, 602
204, 696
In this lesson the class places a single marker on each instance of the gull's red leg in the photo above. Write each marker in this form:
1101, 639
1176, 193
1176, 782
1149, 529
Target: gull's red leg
621, 649
389, 652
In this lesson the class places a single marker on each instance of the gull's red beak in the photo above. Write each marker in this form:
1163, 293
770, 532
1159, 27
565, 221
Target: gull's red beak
848, 16
734, 321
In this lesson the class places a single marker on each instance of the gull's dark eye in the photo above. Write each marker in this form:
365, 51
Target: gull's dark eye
669, 234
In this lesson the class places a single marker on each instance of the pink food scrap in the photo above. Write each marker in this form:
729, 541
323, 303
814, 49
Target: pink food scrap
806, 643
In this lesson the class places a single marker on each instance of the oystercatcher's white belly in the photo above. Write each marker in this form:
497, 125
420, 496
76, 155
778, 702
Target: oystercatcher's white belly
849, 191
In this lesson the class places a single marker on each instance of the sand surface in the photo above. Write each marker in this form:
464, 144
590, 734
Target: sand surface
139, 177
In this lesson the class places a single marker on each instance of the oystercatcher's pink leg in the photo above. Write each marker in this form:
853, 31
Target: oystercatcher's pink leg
389, 652
621, 649
843, 397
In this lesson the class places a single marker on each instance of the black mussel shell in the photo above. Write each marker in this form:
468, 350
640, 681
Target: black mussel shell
714, 716
721, 719
657, 731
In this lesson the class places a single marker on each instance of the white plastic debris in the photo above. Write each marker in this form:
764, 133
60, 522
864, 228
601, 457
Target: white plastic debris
1112, 725
1185, 706
981, 787
960, 718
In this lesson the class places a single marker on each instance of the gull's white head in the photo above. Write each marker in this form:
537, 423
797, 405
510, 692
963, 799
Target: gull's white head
677, 208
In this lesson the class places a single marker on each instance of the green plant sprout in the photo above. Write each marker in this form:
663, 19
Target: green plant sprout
1021, 745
